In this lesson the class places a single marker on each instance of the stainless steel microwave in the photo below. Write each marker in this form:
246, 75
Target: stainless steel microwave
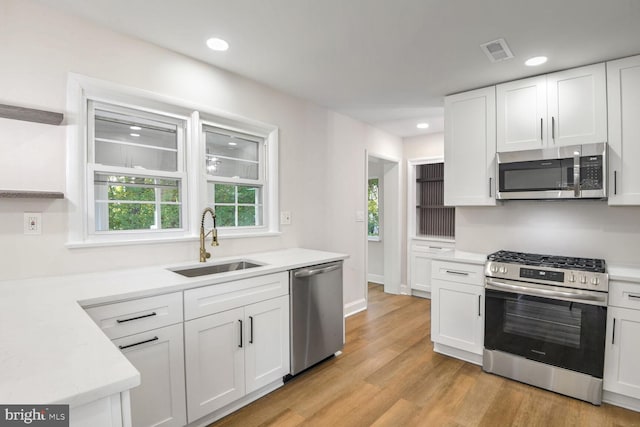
570, 172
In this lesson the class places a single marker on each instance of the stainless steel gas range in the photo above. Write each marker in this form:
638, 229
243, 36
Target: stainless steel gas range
545, 321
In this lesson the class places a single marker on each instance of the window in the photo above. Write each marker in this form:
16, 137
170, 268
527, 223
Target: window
373, 202
235, 171
135, 170
143, 166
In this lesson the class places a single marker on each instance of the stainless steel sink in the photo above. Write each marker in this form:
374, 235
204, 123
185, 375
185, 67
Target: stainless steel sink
216, 268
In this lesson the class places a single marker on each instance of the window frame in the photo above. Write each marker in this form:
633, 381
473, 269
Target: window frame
93, 167
81, 89
267, 138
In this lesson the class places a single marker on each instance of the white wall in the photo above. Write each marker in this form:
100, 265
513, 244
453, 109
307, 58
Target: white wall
321, 152
375, 251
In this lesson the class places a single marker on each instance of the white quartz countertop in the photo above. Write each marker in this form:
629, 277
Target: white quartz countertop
52, 352
627, 273
461, 256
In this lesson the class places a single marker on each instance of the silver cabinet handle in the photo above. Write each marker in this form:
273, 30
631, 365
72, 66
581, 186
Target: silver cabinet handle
490, 179
313, 271
615, 182
240, 345
460, 273
122, 347
136, 318
633, 296
479, 304
541, 134
553, 128
434, 247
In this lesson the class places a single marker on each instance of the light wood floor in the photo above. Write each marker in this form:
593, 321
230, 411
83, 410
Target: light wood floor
388, 375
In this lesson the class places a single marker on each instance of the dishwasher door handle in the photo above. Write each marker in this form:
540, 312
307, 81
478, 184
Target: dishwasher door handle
307, 272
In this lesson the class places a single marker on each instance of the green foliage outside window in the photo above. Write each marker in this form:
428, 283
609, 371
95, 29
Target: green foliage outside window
236, 203
373, 208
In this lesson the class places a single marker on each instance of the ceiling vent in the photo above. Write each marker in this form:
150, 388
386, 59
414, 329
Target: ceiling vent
497, 50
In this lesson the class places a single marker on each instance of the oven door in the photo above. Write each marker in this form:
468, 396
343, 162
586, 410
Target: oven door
565, 330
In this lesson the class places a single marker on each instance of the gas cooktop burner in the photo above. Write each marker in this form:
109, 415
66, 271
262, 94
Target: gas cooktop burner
568, 263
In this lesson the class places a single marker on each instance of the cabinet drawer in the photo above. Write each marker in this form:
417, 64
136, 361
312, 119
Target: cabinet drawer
624, 294
131, 317
432, 248
226, 296
458, 272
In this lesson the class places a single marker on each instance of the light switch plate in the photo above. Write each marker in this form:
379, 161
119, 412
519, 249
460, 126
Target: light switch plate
359, 216
32, 223
285, 218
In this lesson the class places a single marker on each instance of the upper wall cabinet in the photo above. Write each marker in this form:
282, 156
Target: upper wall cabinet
470, 148
623, 82
564, 108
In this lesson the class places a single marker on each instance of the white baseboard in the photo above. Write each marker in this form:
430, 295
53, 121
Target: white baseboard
375, 278
474, 358
621, 400
355, 307
421, 294
405, 289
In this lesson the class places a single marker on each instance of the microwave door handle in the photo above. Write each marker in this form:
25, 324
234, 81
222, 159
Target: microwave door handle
576, 174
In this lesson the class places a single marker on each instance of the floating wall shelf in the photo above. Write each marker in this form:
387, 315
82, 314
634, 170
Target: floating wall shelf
30, 115
25, 194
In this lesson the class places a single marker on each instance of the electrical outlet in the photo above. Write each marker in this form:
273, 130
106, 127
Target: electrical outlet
32, 223
285, 218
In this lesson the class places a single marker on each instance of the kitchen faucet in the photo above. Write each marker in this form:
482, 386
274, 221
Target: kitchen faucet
214, 234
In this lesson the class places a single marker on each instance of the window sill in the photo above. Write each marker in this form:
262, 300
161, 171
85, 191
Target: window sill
374, 239
193, 238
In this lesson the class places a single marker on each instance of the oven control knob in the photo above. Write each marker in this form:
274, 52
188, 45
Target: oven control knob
502, 269
583, 279
494, 268
572, 278
595, 281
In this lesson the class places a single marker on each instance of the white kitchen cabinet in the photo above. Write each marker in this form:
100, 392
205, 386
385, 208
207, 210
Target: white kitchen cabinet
622, 348
470, 148
159, 357
623, 85
148, 331
235, 352
421, 254
564, 108
621, 373
457, 310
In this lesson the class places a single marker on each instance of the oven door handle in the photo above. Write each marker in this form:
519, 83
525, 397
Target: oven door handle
525, 290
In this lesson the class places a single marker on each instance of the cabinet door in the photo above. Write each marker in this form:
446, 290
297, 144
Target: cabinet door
623, 84
214, 352
622, 352
577, 106
267, 342
159, 357
420, 271
457, 315
470, 148
521, 114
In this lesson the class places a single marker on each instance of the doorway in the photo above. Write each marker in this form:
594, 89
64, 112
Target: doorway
382, 240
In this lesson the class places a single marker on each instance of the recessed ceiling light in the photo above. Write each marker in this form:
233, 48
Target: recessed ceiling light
233, 143
135, 127
134, 134
217, 44
422, 125
535, 61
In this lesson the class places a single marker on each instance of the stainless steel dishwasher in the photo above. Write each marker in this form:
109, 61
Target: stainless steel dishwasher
317, 314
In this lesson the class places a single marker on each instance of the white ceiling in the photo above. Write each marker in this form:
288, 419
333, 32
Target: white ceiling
385, 62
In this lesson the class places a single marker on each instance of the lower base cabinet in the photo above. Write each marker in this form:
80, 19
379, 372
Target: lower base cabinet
622, 352
235, 352
457, 310
159, 357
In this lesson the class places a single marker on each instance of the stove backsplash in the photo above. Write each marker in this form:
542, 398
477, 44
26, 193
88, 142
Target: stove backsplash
581, 228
